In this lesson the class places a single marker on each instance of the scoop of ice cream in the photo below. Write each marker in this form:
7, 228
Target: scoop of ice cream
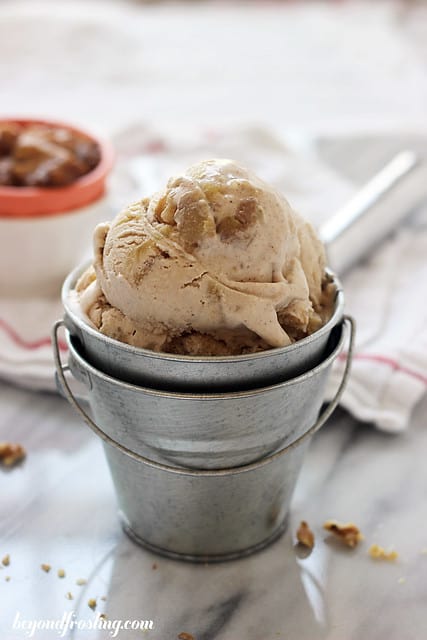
219, 254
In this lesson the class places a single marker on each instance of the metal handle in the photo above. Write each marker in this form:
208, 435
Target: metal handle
376, 209
78, 397
200, 472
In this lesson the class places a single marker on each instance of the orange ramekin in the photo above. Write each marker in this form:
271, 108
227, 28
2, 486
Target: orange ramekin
46, 231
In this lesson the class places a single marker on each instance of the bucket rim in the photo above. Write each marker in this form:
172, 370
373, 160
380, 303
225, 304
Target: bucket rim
274, 352
179, 395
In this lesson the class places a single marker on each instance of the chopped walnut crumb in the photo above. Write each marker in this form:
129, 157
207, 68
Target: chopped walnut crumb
348, 533
92, 603
154, 566
7, 578
379, 553
11, 454
305, 536
6, 560
186, 636
46, 567
80, 582
61, 573
103, 616
104, 598
69, 595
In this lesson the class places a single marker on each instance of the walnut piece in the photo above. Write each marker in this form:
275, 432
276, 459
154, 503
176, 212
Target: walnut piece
6, 560
11, 453
348, 533
46, 567
305, 536
61, 573
186, 636
248, 212
379, 553
92, 603
81, 581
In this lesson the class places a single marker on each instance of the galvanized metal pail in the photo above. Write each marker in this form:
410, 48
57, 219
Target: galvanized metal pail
205, 430
204, 514
189, 373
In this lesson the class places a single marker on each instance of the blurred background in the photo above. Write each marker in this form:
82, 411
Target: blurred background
331, 66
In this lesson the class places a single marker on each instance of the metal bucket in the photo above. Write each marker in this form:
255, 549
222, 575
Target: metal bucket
188, 373
205, 431
223, 515
204, 514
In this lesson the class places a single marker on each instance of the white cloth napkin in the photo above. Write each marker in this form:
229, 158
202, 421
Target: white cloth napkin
388, 297
25, 347
385, 294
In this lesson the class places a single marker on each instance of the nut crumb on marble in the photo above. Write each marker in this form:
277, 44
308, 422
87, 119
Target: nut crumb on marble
305, 536
7, 578
46, 567
80, 582
103, 616
91, 603
69, 595
104, 598
348, 532
154, 566
11, 453
379, 553
186, 636
61, 573
6, 560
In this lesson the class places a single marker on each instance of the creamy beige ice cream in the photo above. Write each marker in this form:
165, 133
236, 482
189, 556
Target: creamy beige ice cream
217, 263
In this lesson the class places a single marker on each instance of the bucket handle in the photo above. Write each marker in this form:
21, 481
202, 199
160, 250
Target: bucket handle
67, 392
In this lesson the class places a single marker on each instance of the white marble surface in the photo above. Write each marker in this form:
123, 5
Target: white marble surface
59, 508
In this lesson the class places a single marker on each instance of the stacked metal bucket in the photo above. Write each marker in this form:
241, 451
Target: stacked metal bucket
204, 452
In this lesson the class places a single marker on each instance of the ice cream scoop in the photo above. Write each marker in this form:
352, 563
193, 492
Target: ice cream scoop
217, 262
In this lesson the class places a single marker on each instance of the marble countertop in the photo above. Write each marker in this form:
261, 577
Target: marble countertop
58, 507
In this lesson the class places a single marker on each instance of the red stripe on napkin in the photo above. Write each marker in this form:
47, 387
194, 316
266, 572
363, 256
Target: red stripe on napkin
29, 345
393, 364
